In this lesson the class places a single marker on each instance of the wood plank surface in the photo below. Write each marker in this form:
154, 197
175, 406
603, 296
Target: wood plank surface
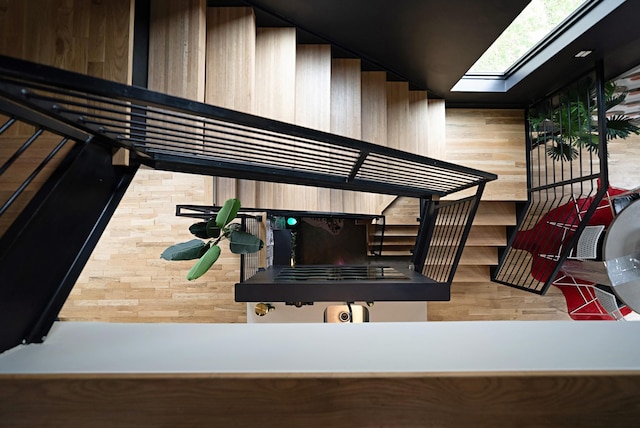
490, 140
275, 95
84, 36
312, 110
230, 76
489, 400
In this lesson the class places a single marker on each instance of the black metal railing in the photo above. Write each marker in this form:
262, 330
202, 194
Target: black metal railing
446, 230
567, 179
30, 155
171, 133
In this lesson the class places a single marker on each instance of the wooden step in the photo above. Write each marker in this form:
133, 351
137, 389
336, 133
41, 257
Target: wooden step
495, 213
408, 219
487, 256
400, 230
478, 235
481, 236
490, 213
472, 273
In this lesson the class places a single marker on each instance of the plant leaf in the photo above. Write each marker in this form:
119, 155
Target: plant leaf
619, 126
244, 243
204, 264
205, 229
228, 212
185, 250
562, 152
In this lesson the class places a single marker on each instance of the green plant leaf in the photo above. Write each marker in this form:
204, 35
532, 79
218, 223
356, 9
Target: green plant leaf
228, 212
205, 229
185, 250
244, 243
204, 264
619, 126
562, 151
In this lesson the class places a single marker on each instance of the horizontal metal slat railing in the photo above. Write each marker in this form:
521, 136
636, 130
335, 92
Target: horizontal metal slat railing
171, 133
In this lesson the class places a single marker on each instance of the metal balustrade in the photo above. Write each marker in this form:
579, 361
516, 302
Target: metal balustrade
567, 180
171, 133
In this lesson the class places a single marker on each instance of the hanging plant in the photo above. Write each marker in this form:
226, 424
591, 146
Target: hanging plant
214, 229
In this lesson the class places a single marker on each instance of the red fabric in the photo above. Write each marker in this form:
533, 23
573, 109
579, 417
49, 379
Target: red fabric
545, 238
582, 304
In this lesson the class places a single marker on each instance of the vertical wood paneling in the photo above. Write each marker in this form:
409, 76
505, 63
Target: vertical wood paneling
177, 48
374, 119
436, 129
230, 72
419, 119
275, 93
313, 110
59, 33
398, 115
125, 279
346, 119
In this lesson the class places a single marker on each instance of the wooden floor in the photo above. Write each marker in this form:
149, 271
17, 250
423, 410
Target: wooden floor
493, 301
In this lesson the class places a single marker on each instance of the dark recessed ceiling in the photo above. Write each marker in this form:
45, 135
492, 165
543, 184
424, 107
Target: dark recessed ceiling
432, 43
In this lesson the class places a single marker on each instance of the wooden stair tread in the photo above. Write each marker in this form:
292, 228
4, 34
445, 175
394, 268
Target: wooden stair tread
472, 273
477, 256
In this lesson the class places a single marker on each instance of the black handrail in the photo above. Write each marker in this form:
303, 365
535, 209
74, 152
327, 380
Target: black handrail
172, 133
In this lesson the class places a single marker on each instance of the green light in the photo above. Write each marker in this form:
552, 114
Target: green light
292, 221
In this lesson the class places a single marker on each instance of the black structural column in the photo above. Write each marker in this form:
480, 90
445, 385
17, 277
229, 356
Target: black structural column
45, 249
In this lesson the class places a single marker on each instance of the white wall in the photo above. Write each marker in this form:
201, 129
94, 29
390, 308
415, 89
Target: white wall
491, 346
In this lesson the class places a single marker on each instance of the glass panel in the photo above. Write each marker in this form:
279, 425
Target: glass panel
529, 28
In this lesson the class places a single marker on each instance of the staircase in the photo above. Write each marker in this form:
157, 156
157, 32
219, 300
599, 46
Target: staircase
268, 72
222, 56
488, 233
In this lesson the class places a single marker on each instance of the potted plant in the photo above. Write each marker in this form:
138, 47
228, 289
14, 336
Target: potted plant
571, 122
213, 231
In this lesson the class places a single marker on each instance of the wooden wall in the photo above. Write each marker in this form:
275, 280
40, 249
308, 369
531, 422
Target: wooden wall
263, 71
125, 279
462, 400
491, 140
85, 36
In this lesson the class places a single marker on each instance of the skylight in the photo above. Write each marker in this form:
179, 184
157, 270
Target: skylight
534, 24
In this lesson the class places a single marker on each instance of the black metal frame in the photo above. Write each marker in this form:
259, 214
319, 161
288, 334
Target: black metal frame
171, 133
188, 136
547, 191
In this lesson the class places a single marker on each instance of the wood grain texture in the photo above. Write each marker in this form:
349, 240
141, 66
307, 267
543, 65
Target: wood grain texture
84, 36
490, 140
346, 119
275, 95
125, 279
312, 110
419, 120
230, 73
177, 48
374, 119
398, 121
589, 400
